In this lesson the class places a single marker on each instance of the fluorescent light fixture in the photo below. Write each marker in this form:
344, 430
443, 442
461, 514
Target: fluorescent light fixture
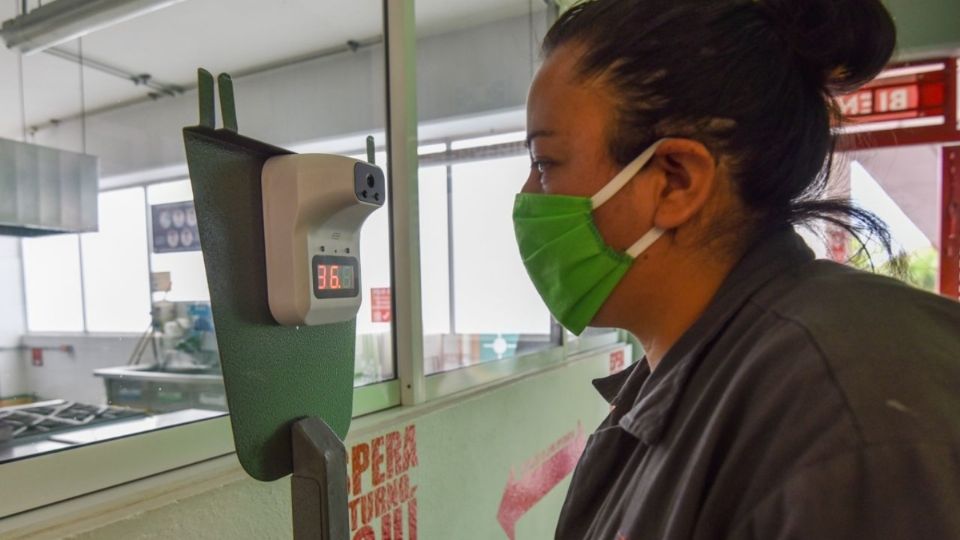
64, 20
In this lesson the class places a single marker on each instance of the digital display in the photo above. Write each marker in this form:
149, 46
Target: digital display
334, 276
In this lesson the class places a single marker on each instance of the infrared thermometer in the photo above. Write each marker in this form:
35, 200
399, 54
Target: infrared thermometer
313, 208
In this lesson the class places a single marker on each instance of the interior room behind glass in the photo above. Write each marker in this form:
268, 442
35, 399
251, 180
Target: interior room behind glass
107, 331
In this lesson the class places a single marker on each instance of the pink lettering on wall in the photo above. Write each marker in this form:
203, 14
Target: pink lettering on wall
383, 499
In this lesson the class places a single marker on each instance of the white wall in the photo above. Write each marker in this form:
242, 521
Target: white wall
70, 376
323, 98
12, 323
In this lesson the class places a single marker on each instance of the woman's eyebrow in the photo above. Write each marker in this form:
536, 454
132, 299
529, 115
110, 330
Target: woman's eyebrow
538, 133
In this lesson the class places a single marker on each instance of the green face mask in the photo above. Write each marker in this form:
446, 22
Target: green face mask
571, 266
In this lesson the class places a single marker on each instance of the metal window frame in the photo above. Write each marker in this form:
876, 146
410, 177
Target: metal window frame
88, 469
93, 468
950, 223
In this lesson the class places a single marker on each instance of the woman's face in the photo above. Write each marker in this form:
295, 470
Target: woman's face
568, 127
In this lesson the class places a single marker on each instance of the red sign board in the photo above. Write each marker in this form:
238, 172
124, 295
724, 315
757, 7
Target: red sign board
910, 103
380, 305
897, 98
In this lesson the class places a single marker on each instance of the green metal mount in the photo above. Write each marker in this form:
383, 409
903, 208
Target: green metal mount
274, 375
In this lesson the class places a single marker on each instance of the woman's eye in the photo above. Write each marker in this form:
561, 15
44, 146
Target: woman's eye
541, 166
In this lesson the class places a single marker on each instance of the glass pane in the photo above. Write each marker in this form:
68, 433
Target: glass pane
149, 355
374, 352
116, 279
478, 303
902, 186
434, 251
492, 294
51, 274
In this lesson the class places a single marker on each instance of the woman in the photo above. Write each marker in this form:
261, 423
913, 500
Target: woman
780, 396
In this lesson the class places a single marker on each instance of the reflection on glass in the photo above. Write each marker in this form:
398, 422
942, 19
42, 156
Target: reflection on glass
113, 332
374, 353
478, 304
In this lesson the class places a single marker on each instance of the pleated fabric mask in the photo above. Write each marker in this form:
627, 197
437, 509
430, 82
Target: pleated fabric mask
570, 264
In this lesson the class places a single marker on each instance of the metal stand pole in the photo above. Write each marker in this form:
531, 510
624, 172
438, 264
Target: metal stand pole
319, 482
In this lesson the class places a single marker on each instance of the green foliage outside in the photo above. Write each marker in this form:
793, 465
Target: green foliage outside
919, 268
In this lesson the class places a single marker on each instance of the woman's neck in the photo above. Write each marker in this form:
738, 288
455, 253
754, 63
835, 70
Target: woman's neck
673, 302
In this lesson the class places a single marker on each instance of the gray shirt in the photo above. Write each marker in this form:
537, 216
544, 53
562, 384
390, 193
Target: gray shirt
810, 400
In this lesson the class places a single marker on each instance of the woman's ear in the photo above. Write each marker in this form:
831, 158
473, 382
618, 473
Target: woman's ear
690, 177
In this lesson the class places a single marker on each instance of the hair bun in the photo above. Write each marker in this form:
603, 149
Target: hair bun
841, 43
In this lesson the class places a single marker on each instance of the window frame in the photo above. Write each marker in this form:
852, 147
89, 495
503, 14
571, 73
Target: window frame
87, 469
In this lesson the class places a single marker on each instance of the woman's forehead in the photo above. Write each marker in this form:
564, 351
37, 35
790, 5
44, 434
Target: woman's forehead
564, 105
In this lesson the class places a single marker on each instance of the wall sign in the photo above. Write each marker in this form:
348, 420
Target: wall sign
914, 100
174, 227
380, 305
383, 498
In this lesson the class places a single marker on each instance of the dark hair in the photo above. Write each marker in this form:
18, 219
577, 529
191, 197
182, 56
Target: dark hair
753, 80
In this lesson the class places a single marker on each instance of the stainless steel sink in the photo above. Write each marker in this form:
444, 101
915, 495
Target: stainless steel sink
157, 389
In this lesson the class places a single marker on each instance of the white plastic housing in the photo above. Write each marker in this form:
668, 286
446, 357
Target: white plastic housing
313, 207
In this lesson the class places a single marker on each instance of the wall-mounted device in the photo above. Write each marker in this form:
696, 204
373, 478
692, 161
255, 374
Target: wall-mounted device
313, 208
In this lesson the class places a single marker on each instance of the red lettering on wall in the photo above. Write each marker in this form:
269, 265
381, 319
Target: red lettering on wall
386, 527
410, 448
381, 487
366, 507
359, 462
366, 533
377, 461
394, 444
412, 518
352, 505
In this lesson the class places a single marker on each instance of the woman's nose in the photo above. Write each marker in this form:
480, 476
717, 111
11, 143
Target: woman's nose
532, 185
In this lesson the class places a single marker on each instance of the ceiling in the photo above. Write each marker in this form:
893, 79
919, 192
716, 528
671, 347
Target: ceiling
220, 35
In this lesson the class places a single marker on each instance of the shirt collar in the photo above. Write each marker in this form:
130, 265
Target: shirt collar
609, 387
660, 391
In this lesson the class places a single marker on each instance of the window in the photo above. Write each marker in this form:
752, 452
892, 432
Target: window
120, 326
94, 282
99, 351
478, 305
374, 351
916, 250
115, 274
51, 275
902, 187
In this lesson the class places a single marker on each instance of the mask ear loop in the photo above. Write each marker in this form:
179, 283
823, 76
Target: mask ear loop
645, 242
614, 186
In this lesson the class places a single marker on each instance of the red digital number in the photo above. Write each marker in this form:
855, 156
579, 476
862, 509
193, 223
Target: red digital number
334, 277
321, 277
